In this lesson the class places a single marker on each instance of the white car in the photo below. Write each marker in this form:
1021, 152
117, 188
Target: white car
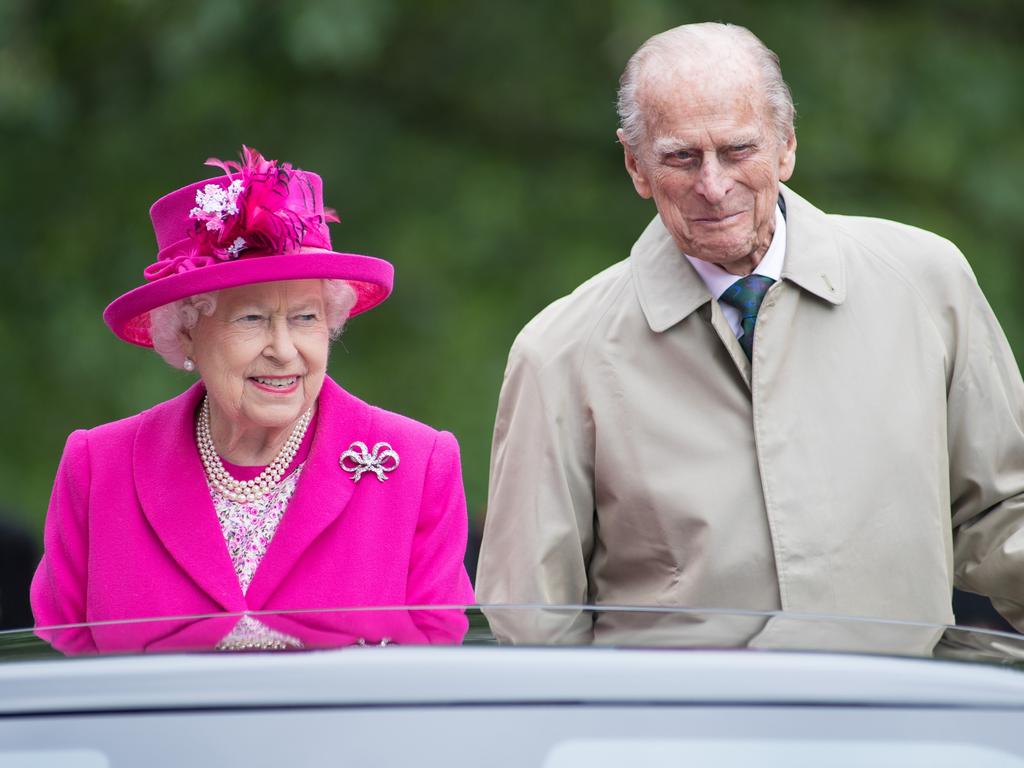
686, 688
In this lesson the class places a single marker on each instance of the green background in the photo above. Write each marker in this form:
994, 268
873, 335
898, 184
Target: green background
470, 143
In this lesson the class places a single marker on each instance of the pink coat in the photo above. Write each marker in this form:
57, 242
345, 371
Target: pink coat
131, 531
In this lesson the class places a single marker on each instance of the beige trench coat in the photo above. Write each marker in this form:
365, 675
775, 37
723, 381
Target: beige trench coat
870, 457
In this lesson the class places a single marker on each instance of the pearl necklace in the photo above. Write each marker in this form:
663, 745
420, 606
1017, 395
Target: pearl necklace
268, 479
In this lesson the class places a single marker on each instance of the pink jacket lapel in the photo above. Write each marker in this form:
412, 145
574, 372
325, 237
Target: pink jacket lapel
323, 492
175, 499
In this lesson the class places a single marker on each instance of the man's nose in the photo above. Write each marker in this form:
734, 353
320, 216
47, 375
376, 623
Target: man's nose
714, 183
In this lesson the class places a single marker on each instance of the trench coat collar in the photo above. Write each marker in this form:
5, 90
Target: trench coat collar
813, 260
669, 288
175, 498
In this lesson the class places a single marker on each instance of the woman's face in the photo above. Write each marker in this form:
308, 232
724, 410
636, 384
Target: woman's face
262, 354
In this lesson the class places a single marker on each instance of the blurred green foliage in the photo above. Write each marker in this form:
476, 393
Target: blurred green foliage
471, 143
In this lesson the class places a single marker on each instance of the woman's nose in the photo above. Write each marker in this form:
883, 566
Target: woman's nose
280, 345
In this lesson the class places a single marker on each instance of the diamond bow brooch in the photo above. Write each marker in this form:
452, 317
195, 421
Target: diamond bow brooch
359, 460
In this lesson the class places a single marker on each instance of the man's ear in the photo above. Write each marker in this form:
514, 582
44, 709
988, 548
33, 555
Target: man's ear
633, 168
787, 158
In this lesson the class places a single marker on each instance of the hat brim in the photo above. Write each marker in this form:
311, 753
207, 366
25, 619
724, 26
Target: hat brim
371, 278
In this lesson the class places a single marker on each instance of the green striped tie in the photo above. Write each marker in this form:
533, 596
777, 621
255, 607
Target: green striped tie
746, 295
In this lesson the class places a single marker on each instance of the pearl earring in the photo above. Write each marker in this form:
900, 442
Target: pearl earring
189, 364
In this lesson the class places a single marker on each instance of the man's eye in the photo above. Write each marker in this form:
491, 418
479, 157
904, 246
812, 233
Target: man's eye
681, 158
740, 149
251, 318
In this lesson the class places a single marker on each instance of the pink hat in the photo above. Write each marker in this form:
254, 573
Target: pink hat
262, 221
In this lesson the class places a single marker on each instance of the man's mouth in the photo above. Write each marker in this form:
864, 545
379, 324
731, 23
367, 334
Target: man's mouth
724, 219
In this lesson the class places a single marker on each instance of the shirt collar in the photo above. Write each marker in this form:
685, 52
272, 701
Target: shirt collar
718, 280
669, 288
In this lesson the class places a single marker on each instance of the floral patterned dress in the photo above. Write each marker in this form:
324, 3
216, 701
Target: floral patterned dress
248, 529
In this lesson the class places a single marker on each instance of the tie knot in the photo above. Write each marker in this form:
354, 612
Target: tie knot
747, 293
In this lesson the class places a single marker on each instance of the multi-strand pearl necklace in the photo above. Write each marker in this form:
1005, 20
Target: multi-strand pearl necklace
268, 479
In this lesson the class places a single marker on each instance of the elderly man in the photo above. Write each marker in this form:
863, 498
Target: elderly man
765, 406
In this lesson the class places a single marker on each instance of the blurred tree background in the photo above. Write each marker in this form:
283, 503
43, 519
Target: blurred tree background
470, 143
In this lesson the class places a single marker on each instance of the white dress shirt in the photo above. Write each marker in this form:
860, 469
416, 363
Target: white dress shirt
718, 280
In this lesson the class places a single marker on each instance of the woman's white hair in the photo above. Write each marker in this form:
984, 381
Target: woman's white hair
697, 40
167, 322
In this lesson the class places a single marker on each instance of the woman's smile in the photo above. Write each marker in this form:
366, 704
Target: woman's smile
278, 385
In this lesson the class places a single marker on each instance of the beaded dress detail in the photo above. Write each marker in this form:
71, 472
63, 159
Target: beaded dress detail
248, 528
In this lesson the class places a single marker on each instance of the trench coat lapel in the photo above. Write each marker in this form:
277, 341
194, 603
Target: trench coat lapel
323, 492
175, 498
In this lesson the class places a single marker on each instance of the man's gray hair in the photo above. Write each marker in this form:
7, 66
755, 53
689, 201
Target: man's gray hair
674, 42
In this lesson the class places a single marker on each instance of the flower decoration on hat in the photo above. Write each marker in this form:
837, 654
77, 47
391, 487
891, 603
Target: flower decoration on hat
261, 207
257, 211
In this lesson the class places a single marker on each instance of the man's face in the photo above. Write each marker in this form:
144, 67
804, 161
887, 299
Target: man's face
712, 161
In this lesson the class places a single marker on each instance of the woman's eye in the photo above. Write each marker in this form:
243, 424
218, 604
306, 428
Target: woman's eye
251, 318
309, 317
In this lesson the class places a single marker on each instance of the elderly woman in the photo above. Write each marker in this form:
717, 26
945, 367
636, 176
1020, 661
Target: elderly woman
265, 486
